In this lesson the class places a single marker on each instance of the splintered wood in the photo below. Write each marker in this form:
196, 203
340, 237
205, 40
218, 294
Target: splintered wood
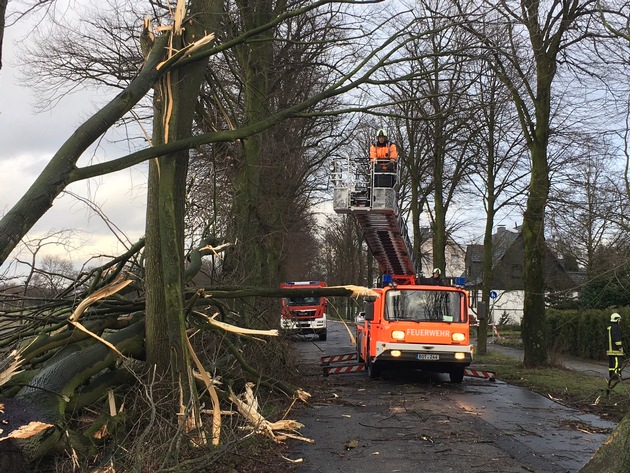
10, 366
279, 431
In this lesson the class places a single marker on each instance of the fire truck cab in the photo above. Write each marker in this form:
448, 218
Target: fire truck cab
416, 327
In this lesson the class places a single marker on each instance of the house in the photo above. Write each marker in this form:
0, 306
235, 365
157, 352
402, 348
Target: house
454, 254
508, 259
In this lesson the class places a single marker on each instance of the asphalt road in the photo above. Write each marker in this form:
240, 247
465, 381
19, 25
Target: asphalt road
419, 422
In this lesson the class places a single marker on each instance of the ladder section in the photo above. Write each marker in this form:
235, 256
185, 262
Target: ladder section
385, 233
390, 248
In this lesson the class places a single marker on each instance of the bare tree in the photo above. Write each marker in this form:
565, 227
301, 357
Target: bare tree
540, 35
584, 210
21, 11
36, 247
434, 119
54, 275
500, 172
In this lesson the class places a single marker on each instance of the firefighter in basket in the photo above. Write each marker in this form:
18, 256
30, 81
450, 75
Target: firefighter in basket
383, 158
383, 153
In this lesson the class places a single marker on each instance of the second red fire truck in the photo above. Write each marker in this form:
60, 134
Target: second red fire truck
304, 315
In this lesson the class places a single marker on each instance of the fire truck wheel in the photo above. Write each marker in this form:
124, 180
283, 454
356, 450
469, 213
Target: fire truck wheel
457, 375
322, 337
374, 371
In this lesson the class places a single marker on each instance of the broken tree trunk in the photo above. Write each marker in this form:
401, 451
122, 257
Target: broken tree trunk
48, 394
613, 456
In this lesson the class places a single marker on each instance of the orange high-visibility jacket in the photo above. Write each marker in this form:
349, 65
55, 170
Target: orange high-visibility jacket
387, 151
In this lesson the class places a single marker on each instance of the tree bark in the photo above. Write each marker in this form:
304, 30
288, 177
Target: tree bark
50, 391
439, 222
255, 58
3, 11
614, 454
174, 105
545, 54
486, 284
533, 324
488, 251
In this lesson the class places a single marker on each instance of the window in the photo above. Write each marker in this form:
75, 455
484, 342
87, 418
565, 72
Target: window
302, 300
424, 306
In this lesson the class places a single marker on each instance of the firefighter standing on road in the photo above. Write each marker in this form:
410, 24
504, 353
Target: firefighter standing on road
615, 348
384, 152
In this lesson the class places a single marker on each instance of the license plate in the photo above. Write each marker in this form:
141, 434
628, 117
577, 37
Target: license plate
423, 356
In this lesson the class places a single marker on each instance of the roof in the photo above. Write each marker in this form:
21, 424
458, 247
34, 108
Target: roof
502, 240
507, 263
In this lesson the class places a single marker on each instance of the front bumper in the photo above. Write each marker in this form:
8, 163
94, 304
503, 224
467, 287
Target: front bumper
303, 326
423, 355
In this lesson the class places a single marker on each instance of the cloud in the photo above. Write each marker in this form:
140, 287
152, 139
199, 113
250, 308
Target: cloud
29, 140
81, 230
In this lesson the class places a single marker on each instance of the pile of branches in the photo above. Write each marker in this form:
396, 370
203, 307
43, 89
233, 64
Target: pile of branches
74, 379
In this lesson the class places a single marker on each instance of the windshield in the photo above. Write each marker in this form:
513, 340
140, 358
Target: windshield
424, 306
302, 300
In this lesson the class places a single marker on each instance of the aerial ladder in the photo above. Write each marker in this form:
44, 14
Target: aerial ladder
410, 324
375, 207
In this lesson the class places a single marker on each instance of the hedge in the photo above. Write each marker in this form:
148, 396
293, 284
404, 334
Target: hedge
584, 333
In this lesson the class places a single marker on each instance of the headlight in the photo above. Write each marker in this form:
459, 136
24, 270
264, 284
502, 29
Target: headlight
458, 337
395, 353
398, 335
460, 356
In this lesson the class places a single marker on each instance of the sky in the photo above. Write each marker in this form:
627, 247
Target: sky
29, 139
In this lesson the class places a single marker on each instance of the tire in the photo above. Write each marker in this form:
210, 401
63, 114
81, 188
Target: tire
373, 369
456, 375
322, 337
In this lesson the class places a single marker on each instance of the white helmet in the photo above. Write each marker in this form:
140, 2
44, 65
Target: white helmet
615, 317
437, 271
381, 132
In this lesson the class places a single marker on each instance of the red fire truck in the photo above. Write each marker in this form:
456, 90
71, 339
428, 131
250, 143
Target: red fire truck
411, 323
416, 327
304, 314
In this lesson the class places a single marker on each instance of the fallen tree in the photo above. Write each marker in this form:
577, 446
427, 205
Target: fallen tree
77, 353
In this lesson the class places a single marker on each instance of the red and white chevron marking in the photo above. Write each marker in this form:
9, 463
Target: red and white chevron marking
479, 374
338, 358
343, 369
